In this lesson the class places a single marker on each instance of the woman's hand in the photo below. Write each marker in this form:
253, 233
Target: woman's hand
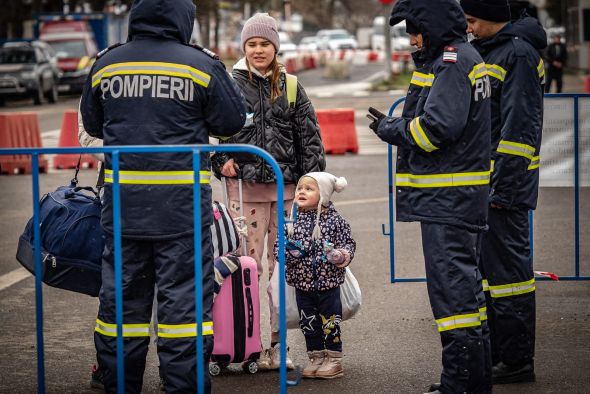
229, 169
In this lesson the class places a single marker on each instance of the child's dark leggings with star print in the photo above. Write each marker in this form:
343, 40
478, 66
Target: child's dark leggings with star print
320, 314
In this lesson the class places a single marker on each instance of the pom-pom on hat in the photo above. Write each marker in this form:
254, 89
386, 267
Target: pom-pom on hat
261, 25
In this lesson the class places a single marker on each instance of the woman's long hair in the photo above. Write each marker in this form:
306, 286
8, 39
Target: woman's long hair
275, 86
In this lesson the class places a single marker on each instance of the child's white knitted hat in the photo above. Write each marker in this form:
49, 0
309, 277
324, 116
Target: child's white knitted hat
328, 184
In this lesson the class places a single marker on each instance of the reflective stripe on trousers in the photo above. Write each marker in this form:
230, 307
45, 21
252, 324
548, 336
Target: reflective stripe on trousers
129, 330
462, 321
183, 330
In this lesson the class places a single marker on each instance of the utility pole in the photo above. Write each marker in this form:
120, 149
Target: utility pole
387, 39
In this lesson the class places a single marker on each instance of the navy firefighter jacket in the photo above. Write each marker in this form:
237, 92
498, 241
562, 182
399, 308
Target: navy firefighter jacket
443, 136
517, 75
157, 90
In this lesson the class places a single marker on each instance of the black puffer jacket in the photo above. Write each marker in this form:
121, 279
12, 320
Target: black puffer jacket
291, 136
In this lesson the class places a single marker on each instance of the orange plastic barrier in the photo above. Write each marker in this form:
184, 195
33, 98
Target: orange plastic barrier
69, 137
291, 66
20, 130
338, 130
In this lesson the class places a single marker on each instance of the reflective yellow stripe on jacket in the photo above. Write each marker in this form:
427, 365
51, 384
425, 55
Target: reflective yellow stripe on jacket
516, 149
421, 79
420, 136
535, 163
158, 177
541, 69
152, 68
483, 313
495, 71
443, 180
479, 71
512, 289
129, 330
183, 330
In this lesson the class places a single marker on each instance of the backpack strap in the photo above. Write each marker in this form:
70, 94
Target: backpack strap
291, 89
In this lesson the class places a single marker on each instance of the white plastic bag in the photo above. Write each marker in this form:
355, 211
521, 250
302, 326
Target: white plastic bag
291, 305
350, 297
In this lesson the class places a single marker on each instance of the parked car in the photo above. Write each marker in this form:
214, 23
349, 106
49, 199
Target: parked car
308, 44
28, 69
287, 46
336, 39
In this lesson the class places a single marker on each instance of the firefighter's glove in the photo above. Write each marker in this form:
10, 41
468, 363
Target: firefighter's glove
375, 117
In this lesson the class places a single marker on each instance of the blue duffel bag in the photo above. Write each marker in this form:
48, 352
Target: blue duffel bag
72, 239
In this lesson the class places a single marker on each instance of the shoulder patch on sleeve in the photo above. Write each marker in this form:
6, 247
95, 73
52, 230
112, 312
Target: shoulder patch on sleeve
99, 54
209, 52
450, 54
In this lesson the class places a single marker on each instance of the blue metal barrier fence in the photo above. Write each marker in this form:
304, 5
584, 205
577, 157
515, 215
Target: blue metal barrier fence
115, 151
391, 189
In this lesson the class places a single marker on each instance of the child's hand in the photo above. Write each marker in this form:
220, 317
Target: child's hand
335, 257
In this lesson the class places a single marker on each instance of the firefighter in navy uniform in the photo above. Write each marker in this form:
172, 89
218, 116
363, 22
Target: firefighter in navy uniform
158, 90
442, 180
516, 71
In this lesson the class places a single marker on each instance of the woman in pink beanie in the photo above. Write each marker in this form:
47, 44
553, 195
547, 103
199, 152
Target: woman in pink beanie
281, 120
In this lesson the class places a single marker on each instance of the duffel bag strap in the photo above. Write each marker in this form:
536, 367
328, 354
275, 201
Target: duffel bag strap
100, 180
74, 180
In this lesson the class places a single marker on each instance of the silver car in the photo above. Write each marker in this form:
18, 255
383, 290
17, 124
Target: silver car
28, 69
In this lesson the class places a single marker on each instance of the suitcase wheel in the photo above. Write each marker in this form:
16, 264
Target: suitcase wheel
250, 367
214, 369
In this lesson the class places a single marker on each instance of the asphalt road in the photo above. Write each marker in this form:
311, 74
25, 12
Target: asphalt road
391, 346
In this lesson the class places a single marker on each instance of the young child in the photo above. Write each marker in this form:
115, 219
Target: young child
319, 247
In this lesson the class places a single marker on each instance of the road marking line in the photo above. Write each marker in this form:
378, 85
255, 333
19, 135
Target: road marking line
363, 201
13, 277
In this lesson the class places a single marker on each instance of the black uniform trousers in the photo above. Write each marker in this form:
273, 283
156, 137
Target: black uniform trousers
458, 304
320, 315
170, 266
554, 73
507, 266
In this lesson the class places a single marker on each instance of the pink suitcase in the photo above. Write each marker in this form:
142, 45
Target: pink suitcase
236, 311
236, 320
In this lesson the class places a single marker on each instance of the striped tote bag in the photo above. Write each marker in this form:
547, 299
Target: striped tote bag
224, 234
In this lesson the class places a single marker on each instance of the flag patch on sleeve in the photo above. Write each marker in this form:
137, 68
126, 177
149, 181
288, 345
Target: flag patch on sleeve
450, 55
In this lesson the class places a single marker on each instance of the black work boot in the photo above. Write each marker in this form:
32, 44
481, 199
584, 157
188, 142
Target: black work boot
503, 373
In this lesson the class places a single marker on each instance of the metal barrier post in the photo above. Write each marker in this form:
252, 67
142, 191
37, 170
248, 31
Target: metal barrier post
391, 189
38, 286
198, 264
577, 184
